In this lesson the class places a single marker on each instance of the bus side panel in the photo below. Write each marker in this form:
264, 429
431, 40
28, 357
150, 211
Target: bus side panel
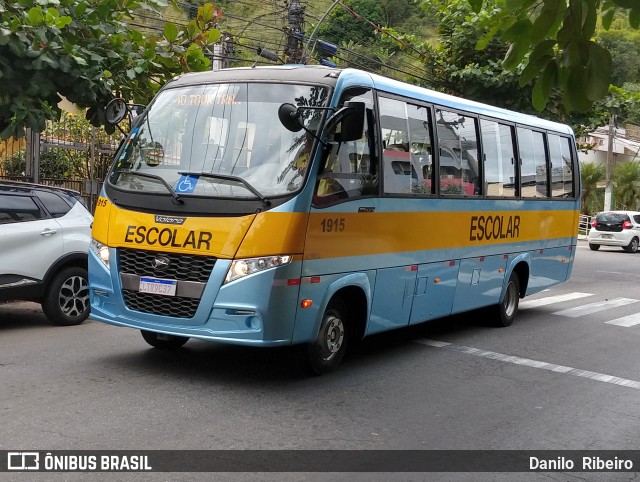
480, 282
548, 267
392, 299
435, 290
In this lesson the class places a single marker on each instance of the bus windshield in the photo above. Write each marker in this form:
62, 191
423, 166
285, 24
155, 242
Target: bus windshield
220, 140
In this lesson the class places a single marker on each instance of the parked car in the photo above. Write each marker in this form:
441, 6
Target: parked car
44, 240
615, 228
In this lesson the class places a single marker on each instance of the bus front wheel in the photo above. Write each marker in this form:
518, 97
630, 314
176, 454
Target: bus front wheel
162, 341
508, 308
327, 351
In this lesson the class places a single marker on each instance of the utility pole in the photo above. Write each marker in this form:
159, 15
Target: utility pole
609, 171
295, 32
221, 52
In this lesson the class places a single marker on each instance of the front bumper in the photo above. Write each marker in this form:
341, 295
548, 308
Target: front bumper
257, 310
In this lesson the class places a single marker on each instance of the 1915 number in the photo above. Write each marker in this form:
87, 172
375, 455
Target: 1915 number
330, 225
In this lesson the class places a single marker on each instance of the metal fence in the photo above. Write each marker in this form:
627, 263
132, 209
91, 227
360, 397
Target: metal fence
70, 153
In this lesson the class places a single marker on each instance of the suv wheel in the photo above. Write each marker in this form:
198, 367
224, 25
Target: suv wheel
66, 299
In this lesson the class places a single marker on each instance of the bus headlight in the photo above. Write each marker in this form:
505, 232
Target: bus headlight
101, 251
243, 267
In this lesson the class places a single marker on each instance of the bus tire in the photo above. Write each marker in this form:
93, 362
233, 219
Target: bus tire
507, 309
325, 354
66, 299
162, 341
594, 247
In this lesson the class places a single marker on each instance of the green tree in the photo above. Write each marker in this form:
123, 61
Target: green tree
626, 177
343, 24
591, 174
624, 46
87, 51
555, 40
462, 70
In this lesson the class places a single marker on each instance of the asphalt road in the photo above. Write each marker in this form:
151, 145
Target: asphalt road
556, 379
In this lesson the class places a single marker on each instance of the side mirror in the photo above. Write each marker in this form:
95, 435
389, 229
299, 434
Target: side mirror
353, 122
350, 119
290, 117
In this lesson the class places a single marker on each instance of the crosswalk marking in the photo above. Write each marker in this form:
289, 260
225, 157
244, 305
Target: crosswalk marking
595, 307
516, 360
626, 321
552, 299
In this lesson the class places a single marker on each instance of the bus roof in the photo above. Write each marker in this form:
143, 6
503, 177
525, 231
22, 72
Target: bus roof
317, 74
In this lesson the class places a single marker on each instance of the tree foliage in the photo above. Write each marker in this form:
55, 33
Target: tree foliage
344, 25
591, 175
87, 51
626, 177
555, 40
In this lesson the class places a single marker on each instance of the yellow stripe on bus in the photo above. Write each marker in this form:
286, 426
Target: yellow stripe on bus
328, 235
335, 235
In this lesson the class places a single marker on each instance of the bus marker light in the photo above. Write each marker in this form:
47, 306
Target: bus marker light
306, 303
481, 259
452, 263
436, 280
500, 270
293, 281
315, 279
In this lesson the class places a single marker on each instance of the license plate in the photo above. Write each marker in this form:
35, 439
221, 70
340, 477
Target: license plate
606, 236
157, 286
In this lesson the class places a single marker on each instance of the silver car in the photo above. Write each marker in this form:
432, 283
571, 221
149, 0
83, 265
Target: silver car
615, 228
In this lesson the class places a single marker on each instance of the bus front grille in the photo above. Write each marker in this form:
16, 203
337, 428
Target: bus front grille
175, 306
189, 268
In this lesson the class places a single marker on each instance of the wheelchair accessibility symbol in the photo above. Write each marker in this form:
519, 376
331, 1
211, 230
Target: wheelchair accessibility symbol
186, 184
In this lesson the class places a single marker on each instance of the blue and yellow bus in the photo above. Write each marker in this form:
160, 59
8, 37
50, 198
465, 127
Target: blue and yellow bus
314, 206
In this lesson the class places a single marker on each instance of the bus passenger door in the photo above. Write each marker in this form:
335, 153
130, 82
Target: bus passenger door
392, 298
435, 290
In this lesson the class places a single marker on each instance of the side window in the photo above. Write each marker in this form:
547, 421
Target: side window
399, 175
351, 169
533, 171
458, 154
421, 148
636, 218
54, 204
15, 209
499, 159
561, 167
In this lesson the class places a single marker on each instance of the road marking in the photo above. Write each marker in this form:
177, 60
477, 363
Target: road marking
595, 307
516, 360
627, 321
552, 299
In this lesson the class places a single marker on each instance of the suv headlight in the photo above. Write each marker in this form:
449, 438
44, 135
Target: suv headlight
243, 267
101, 251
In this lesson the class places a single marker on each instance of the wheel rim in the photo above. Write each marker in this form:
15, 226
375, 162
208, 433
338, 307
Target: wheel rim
73, 298
331, 338
510, 299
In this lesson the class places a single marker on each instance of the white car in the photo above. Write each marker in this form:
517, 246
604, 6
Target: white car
615, 228
44, 241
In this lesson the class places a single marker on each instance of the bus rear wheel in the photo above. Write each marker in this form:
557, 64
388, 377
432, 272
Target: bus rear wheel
327, 351
162, 341
507, 309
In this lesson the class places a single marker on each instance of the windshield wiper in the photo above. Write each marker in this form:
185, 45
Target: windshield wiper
226, 177
174, 195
